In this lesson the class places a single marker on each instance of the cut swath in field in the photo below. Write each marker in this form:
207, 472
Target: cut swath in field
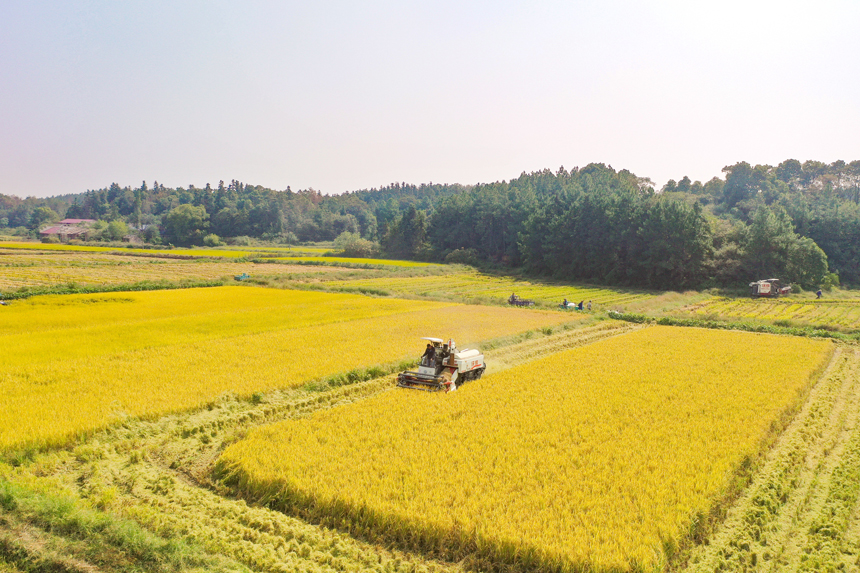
128, 473
353, 261
598, 458
69, 372
146, 470
801, 511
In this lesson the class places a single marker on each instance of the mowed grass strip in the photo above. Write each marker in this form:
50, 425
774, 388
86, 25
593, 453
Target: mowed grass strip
595, 459
91, 361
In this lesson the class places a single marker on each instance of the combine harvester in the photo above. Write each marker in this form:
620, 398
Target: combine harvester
768, 288
443, 367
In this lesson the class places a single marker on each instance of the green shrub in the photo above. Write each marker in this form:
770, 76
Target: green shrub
212, 240
352, 245
462, 256
830, 280
241, 241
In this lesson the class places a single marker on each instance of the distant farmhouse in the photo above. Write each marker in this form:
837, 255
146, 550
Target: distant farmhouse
69, 229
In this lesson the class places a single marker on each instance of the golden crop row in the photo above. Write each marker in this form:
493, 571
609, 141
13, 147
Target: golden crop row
595, 458
90, 249
278, 253
97, 269
50, 329
77, 363
474, 284
844, 313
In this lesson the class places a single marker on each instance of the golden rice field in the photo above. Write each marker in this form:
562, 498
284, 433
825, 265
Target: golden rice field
274, 253
76, 363
32, 269
599, 458
843, 313
91, 249
473, 284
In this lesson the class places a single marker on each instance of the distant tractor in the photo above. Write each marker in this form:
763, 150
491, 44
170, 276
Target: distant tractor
443, 367
768, 288
515, 300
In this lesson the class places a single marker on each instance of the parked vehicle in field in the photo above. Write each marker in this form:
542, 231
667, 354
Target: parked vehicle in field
443, 367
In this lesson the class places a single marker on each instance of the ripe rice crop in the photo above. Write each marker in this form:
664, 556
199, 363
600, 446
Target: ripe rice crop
76, 363
354, 261
90, 249
33, 269
599, 458
274, 253
473, 284
844, 313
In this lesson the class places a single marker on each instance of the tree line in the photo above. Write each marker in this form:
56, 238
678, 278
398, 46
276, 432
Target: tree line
796, 221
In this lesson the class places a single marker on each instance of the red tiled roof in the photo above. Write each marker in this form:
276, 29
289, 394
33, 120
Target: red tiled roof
64, 230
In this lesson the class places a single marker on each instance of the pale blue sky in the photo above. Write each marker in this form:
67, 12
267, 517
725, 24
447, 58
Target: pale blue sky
347, 95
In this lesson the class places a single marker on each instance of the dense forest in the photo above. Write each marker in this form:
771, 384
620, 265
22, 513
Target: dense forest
798, 221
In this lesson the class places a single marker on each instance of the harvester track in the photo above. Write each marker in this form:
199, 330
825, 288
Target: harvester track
509, 356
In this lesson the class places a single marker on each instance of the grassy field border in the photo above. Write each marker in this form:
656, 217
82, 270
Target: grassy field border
804, 331
73, 288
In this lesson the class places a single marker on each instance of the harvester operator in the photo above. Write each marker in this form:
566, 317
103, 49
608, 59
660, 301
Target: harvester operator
429, 356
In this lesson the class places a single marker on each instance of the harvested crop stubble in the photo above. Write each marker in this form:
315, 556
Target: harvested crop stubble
355, 261
68, 373
797, 513
597, 458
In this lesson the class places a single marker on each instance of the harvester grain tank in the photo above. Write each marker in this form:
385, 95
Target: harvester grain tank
443, 367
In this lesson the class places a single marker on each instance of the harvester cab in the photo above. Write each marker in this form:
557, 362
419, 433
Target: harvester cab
443, 367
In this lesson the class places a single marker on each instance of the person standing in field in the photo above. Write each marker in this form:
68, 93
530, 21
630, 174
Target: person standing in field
818, 293
589, 306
